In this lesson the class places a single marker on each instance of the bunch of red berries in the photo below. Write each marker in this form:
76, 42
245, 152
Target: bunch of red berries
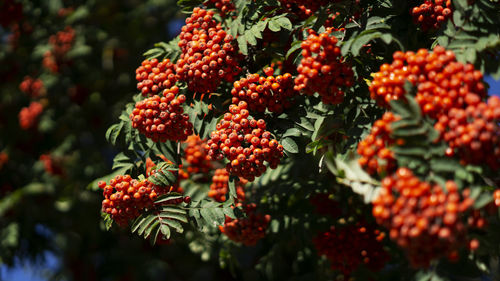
325, 206
162, 118
260, 92
248, 230
10, 12
196, 155
245, 143
432, 13
60, 44
52, 165
322, 69
126, 198
473, 133
442, 82
220, 186
33, 87
305, 8
496, 197
351, 246
224, 6
62, 41
426, 221
208, 54
28, 116
376, 157
154, 76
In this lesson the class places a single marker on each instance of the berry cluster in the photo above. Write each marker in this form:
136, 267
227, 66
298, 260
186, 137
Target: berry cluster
245, 143
305, 8
224, 6
248, 230
125, 198
432, 13
154, 76
374, 148
196, 155
10, 12
220, 186
351, 246
60, 44
442, 82
324, 205
322, 69
496, 197
425, 220
28, 116
260, 92
32, 87
473, 133
208, 54
52, 166
162, 118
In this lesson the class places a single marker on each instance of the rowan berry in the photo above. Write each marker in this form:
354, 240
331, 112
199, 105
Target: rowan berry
52, 165
220, 186
162, 118
28, 116
374, 149
473, 133
248, 230
348, 247
208, 56
441, 82
426, 220
261, 93
246, 147
322, 69
32, 87
196, 156
224, 6
60, 44
431, 14
154, 76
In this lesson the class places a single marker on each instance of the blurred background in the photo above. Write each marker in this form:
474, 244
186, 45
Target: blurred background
67, 68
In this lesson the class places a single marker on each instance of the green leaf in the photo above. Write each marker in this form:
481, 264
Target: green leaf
290, 145
363, 39
242, 44
108, 221
284, 22
163, 175
113, 132
168, 197
274, 25
232, 186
